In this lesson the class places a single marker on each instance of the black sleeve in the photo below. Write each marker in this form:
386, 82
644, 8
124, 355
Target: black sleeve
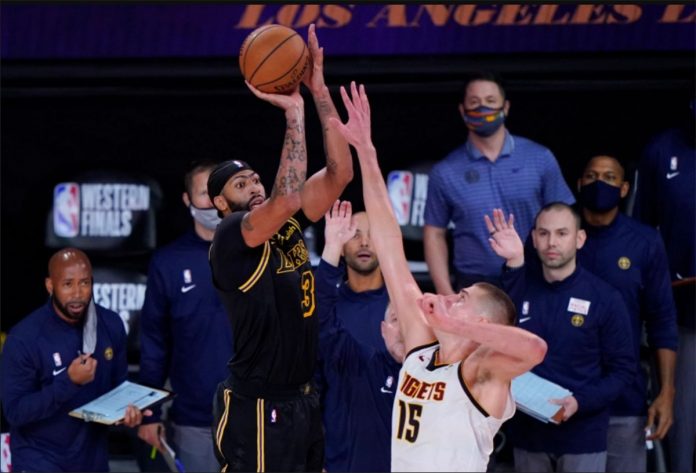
231, 260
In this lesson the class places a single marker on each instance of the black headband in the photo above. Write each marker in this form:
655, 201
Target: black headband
222, 173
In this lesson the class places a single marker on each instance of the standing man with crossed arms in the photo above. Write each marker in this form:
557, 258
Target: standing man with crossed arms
267, 411
462, 350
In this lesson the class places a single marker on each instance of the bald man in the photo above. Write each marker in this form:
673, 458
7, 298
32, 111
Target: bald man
631, 257
47, 373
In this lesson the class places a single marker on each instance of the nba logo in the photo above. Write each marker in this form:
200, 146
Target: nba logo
66, 209
400, 187
673, 163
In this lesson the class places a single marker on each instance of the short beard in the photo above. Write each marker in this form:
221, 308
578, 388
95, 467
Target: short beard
235, 207
363, 270
66, 313
556, 264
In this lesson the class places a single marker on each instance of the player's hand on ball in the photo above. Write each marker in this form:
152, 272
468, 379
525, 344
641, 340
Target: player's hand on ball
284, 101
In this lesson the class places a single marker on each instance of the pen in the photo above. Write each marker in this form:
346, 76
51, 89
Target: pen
84, 360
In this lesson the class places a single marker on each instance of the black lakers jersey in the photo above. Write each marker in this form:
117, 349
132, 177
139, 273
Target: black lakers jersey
268, 292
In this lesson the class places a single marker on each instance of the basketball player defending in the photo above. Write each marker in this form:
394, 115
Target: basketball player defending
462, 350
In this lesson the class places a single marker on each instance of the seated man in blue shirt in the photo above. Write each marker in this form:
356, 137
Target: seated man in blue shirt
587, 328
632, 258
47, 373
493, 168
359, 375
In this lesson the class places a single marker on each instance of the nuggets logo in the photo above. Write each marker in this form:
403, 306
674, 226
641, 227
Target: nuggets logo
577, 320
66, 209
400, 185
108, 353
624, 263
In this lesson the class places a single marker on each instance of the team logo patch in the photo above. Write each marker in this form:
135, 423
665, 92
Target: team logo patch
108, 353
66, 209
472, 176
187, 276
624, 263
56, 359
577, 320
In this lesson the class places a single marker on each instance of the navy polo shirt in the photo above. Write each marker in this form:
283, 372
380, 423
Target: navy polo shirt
466, 185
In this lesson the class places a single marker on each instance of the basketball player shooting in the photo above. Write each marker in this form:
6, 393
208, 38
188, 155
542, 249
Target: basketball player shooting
462, 350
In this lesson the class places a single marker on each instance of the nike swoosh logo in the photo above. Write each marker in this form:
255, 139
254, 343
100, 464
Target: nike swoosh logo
671, 175
57, 372
385, 391
185, 289
524, 319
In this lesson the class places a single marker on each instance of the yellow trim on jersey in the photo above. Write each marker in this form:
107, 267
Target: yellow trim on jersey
259, 269
223, 423
295, 223
260, 454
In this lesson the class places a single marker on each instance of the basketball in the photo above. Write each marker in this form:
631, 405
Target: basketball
274, 59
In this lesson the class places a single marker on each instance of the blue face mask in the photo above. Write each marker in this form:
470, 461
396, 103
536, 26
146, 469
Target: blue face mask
207, 217
484, 121
600, 196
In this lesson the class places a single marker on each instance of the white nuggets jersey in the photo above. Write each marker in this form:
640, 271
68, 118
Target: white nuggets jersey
436, 423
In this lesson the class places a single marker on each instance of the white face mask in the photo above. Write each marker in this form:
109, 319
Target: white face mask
206, 217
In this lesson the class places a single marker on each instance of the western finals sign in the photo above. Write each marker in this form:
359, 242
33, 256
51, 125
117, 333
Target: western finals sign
102, 214
97, 210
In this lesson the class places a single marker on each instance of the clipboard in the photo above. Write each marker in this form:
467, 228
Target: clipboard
532, 392
110, 407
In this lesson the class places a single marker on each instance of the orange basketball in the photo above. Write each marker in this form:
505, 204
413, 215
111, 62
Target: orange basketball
274, 58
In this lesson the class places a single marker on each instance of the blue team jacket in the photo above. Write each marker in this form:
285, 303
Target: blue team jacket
37, 393
360, 379
185, 332
631, 257
590, 352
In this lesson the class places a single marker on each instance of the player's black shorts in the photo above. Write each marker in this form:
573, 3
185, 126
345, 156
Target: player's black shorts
268, 435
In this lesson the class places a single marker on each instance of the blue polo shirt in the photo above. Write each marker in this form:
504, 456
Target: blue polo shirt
631, 257
666, 198
590, 352
185, 334
466, 185
37, 393
359, 378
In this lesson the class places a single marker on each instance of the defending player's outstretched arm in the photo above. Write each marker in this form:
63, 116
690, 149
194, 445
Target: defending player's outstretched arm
327, 184
384, 229
513, 350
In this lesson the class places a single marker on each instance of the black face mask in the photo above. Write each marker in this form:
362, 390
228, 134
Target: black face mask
600, 196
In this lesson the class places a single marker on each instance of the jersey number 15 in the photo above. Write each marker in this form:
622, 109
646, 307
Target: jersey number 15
409, 421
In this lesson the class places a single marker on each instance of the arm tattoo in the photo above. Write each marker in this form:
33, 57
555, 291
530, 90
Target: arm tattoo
291, 183
295, 147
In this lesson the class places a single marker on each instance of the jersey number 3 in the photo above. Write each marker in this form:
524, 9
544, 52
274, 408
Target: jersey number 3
409, 421
308, 294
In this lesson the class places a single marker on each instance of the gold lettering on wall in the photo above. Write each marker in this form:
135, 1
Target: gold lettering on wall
395, 15
439, 14
676, 14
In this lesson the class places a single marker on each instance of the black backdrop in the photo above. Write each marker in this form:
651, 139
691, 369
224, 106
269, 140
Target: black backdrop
153, 117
